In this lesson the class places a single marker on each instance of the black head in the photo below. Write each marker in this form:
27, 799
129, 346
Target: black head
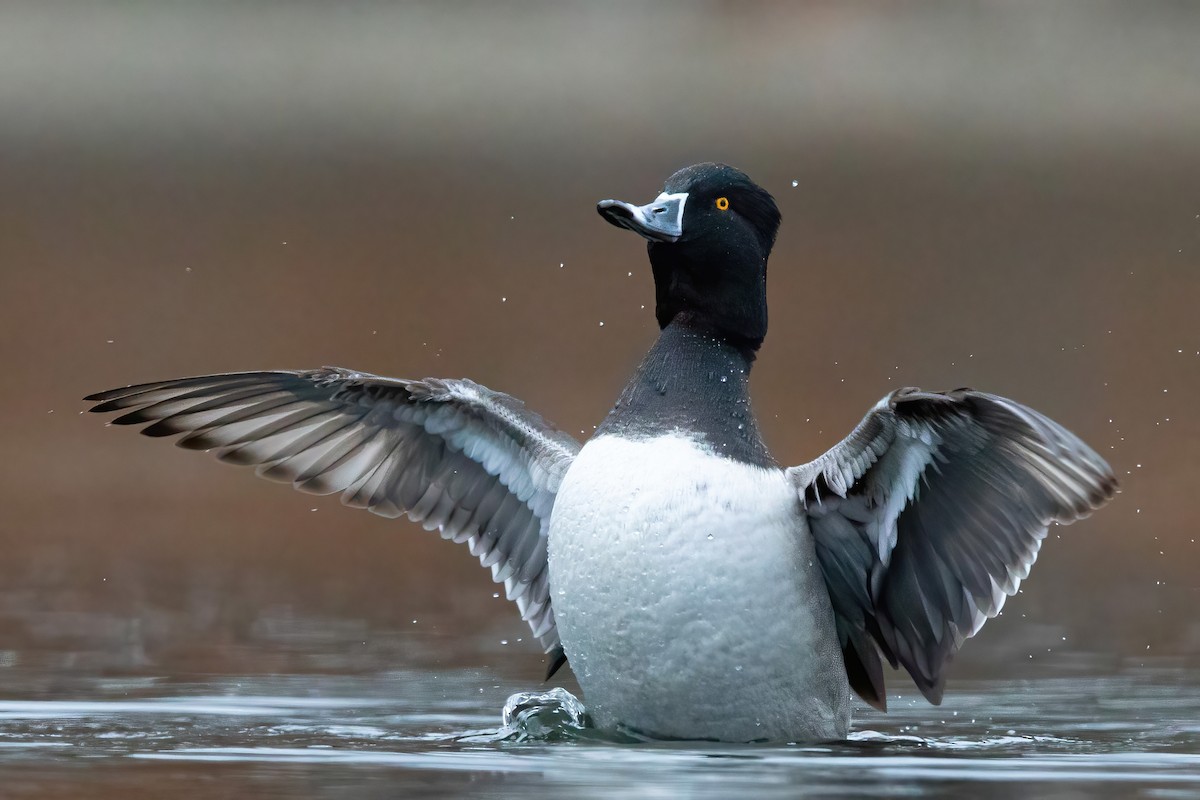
710, 233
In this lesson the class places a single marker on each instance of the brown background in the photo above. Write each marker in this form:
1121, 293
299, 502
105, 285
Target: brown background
1004, 196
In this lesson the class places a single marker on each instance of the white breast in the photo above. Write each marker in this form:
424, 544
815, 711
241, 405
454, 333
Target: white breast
688, 599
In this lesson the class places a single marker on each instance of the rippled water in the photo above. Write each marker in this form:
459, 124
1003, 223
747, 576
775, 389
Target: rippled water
439, 734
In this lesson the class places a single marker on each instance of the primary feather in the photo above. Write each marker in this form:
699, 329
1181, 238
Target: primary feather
472, 463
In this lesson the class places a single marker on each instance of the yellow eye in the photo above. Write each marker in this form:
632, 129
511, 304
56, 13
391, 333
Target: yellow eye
723, 203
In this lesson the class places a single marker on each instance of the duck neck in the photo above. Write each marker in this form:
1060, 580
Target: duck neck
696, 383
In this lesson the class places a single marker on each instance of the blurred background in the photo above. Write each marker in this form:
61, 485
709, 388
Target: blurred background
1004, 196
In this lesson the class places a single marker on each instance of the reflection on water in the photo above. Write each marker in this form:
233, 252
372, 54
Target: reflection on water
1133, 734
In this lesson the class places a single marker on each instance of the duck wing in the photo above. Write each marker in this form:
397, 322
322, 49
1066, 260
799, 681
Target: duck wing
455, 456
929, 514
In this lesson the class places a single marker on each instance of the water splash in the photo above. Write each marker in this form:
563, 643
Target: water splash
543, 716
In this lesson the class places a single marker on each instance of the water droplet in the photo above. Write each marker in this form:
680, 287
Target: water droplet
795, 184
724, 378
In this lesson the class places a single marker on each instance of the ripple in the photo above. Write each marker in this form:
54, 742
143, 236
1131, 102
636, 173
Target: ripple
1101, 737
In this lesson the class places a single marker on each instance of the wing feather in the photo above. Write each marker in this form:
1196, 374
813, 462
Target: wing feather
459, 458
929, 515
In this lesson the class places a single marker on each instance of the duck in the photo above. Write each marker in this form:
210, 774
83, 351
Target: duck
697, 588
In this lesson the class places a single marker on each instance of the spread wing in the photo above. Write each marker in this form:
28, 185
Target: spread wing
929, 514
453, 455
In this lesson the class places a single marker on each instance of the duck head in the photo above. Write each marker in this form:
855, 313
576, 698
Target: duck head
709, 235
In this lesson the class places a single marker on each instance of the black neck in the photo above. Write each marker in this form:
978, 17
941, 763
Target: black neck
725, 288
697, 383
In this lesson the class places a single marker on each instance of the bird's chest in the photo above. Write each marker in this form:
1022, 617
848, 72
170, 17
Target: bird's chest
674, 566
662, 515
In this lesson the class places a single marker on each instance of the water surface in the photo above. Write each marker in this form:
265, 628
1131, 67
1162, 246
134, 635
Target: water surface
438, 733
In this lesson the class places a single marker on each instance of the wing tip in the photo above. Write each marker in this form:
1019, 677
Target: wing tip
934, 692
865, 674
101, 397
106, 403
932, 684
558, 658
